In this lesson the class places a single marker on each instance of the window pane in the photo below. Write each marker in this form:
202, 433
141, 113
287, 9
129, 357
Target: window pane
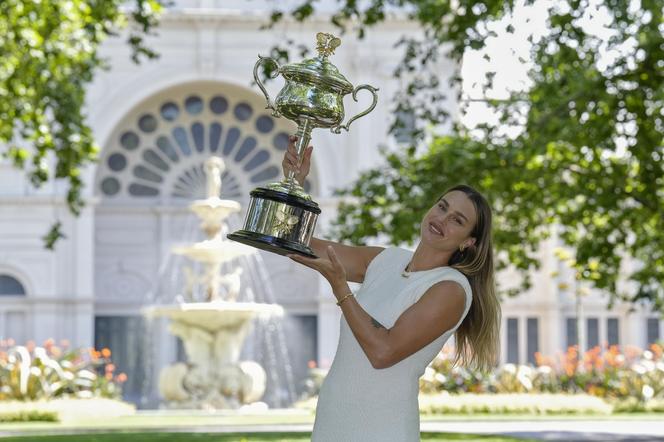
653, 330
169, 111
513, 340
218, 105
613, 331
125, 337
110, 186
572, 334
10, 286
243, 111
304, 348
592, 327
532, 326
194, 105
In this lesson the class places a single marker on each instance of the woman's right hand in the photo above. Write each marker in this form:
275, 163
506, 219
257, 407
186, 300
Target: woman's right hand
290, 161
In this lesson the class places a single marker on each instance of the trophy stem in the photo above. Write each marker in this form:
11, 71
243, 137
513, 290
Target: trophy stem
303, 134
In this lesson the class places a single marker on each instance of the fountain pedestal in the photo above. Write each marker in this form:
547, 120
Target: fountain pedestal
213, 332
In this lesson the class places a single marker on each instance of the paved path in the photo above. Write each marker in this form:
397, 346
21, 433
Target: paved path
563, 430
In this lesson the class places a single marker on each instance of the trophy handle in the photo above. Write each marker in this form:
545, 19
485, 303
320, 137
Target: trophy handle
274, 74
337, 129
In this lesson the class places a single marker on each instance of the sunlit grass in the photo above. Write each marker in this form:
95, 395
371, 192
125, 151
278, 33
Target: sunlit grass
234, 437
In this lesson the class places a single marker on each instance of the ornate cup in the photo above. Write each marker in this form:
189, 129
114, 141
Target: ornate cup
281, 216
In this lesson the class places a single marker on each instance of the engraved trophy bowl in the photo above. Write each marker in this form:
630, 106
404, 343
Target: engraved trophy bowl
281, 217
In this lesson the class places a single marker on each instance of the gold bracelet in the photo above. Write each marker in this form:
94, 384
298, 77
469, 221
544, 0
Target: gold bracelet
344, 298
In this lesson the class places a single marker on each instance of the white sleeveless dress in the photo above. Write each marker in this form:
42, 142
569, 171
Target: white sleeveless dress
358, 403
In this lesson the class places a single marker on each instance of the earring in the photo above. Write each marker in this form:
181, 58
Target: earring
461, 248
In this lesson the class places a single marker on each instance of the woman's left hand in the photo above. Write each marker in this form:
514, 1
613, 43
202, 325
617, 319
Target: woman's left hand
330, 268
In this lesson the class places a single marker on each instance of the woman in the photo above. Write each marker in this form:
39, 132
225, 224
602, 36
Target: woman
409, 304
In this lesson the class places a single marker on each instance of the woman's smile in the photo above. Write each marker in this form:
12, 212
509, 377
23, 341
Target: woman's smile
436, 230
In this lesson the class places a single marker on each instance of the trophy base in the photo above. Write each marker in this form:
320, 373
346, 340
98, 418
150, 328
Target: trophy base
271, 243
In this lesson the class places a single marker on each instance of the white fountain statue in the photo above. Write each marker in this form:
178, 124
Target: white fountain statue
213, 332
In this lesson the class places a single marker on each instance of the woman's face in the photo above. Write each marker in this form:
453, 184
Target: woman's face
449, 223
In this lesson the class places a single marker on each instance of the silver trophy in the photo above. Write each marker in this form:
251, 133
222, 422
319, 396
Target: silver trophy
281, 216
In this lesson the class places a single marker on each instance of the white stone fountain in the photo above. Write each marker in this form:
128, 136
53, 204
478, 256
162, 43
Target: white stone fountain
213, 332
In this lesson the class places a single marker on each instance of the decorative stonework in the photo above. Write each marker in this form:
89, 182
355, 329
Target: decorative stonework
157, 151
122, 286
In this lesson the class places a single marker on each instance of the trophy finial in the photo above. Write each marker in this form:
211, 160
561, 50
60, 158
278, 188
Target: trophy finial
327, 43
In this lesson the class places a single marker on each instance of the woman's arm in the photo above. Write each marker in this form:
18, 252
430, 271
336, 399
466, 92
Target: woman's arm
437, 311
355, 259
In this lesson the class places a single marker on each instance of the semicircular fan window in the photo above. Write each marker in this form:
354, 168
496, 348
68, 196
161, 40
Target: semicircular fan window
159, 150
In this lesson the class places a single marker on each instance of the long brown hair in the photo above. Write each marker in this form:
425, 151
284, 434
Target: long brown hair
477, 340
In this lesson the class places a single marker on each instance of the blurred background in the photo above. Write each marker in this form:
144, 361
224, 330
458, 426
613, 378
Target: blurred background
109, 111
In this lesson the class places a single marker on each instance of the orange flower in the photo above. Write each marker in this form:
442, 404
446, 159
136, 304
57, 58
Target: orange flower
657, 350
110, 368
570, 366
105, 352
311, 364
599, 363
121, 378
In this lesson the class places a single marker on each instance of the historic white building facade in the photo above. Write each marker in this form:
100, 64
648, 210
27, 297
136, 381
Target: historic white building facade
156, 123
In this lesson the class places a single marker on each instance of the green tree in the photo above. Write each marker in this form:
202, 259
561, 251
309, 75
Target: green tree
587, 160
48, 55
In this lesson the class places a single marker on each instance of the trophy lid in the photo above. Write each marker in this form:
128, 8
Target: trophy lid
319, 70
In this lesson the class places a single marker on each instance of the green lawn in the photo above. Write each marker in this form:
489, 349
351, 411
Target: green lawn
235, 437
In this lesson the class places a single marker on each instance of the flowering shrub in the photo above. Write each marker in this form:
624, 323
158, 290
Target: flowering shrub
513, 403
30, 372
632, 380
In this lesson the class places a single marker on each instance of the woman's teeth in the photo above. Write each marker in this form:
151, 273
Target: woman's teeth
434, 230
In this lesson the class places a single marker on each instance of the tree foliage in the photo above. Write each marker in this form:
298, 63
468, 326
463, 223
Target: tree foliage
587, 160
457, 25
48, 56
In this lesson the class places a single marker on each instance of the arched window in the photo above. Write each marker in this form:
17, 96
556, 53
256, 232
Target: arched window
10, 286
159, 149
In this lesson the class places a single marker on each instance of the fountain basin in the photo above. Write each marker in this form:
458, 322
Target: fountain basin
212, 334
214, 251
214, 316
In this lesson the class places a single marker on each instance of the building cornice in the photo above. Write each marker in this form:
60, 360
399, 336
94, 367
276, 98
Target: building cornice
44, 301
261, 17
42, 200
